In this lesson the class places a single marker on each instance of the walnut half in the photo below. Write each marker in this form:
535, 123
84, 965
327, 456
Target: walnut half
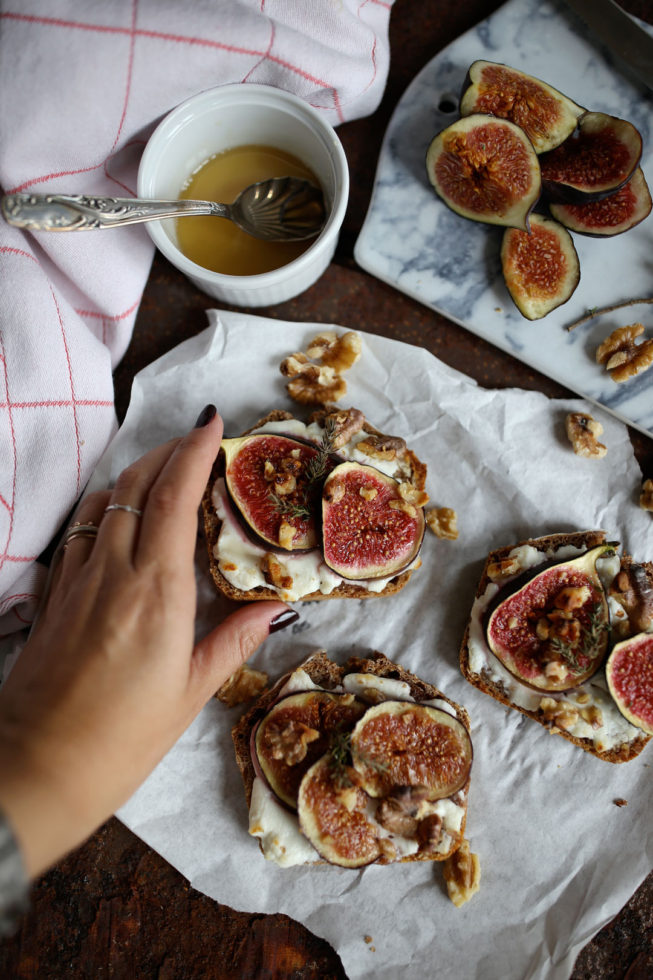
622, 355
462, 873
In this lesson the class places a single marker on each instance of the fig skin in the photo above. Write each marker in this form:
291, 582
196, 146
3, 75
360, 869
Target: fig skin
367, 539
595, 161
399, 743
541, 269
518, 610
485, 169
546, 115
612, 215
244, 460
629, 673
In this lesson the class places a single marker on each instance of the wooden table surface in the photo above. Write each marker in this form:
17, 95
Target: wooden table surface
116, 909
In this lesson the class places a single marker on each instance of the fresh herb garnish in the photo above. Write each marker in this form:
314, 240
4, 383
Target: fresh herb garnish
314, 471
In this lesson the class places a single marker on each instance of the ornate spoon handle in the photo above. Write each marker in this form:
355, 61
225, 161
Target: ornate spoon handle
61, 212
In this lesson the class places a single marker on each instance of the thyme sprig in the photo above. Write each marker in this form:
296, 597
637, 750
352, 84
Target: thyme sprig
287, 507
589, 644
315, 470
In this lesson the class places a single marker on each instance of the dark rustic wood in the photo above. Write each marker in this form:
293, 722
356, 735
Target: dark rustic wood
116, 909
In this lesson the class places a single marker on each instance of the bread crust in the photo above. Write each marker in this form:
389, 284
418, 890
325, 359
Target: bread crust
327, 674
549, 543
346, 590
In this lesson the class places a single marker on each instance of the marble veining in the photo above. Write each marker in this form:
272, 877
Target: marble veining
411, 240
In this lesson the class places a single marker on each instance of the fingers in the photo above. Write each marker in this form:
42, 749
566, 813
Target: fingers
169, 525
233, 642
77, 549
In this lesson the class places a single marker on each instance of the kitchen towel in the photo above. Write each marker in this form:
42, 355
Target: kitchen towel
82, 86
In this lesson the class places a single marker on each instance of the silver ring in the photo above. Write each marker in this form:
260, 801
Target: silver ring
130, 510
80, 531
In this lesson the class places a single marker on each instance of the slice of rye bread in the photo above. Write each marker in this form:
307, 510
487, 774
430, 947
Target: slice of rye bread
346, 590
329, 675
482, 681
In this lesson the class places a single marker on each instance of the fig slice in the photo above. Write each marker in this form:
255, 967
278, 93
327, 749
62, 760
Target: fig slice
297, 731
332, 813
629, 672
547, 116
268, 478
368, 530
596, 160
540, 269
485, 169
402, 744
552, 630
611, 215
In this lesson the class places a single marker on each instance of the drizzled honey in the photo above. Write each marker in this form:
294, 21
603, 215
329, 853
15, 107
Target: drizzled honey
217, 243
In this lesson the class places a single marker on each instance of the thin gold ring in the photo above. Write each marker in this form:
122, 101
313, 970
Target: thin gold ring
78, 530
130, 510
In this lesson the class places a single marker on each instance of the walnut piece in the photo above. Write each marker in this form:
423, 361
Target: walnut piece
498, 570
443, 521
633, 590
345, 425
462, 873
288, 741
274, 572
243, 685
315, 376
558, 714
412, 495
646, 495
338, 352
582, 431
622, 355
379, 446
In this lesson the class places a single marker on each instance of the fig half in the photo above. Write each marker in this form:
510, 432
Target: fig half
629, 672
398, 743
552, 632
332, 813
296, 732
540, 269
596, 160
485, 169
268, 478
547, 116
368, 530
611, 215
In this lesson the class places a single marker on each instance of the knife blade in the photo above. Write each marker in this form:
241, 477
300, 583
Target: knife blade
623, 37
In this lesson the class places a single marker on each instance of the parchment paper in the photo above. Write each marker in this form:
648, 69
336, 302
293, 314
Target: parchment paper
558, 857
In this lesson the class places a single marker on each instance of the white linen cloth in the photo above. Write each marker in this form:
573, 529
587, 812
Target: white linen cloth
82, 85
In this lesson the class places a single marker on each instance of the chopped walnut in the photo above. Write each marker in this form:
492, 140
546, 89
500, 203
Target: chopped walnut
288, 743
379, 446
497, 570
243, 685
402, 505
572, 597
462, 873
368, 493
413, 495
646, 495
582, 431
558, 714
593, 716
633, 590
443, 521
345, 426
429, 833
335, 491
274, 572
622, 356
284, 483
555, 670
339, 352
269, 471
400, 813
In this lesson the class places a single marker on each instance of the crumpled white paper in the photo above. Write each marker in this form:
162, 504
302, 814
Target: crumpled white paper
558, 857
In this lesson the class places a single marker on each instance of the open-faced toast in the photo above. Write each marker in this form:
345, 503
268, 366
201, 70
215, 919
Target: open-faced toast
355, 764
551, 614
270, 507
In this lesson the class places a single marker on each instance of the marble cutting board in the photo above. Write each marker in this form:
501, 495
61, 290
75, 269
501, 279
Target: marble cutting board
412, 241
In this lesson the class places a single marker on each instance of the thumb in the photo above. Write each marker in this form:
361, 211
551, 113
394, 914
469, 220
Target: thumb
226, 647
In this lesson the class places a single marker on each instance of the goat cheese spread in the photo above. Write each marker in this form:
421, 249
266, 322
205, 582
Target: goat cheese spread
599, 719
277, 828
240, 559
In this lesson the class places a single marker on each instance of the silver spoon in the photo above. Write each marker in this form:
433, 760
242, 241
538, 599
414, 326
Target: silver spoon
281, 209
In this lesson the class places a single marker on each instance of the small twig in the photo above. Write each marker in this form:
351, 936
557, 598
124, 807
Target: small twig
595, 311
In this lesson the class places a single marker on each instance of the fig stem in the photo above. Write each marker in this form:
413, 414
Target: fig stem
595, 311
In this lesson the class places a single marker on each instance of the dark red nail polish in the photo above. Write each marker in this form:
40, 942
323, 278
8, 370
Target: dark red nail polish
205, 416
284, 619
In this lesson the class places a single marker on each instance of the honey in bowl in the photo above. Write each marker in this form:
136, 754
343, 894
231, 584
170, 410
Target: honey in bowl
217, 243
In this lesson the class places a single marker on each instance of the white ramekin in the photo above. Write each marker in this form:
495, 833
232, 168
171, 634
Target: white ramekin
237, 115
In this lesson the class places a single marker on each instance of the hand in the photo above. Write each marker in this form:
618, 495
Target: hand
111, 676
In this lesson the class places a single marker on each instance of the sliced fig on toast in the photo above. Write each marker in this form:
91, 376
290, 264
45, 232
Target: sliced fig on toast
551, 630
540, 268
269, 481
611, 215
629, 672
596, 160
547, 116
485, 169
296, 732
368, 529
332, 813
402, 744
